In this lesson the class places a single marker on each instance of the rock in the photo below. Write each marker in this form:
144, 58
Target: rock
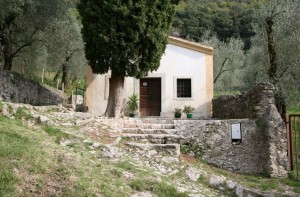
143, 194
196, 195
192, 173
170, 160
151, 153
96, 145
128, 175
43, 119
216, 181
111, 153
173, 172
83, 115
117, 141
239, 191
68, 142
231, 184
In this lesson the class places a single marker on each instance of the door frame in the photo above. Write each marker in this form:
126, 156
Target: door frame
161, 91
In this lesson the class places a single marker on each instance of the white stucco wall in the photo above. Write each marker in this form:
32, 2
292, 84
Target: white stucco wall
177, 62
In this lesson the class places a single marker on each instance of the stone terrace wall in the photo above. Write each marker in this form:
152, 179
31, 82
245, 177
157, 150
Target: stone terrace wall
16, 89
262, 150
213, 140
251, 104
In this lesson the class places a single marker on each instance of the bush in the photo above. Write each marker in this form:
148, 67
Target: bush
22, 113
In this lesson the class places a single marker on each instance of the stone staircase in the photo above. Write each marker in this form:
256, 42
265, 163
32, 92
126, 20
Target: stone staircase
152, 134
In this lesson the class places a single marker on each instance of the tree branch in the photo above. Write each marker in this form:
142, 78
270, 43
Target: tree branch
220, 71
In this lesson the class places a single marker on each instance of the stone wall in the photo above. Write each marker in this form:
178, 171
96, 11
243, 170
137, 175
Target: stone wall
262, 150
251, 104
16, 89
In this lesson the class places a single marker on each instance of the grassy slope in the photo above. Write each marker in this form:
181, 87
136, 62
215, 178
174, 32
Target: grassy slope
34, 164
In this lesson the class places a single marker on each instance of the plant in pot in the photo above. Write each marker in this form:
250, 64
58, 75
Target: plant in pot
177, 113
133, 104
188, 110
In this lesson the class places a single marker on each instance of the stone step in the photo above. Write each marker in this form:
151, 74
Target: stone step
149, 131
153, 138
171, 149
149, 126
156, 121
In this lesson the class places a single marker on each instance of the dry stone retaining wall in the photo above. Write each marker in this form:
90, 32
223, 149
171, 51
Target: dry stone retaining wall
16, 89
213, 140
250, 104
263, 149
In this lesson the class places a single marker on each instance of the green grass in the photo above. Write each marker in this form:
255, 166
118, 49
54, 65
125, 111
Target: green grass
31, 160
293, 110
56, 132
22, 113
160, 188
1, 106
14, 148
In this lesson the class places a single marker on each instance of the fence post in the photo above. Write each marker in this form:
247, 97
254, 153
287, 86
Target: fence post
289, 141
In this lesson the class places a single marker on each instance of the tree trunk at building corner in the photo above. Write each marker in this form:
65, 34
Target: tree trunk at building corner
115, 99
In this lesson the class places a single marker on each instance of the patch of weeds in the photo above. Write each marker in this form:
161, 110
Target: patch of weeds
7, 180
268, 185
164, 190
161, 189
197, 150
259, 122
293, 183
1, 106
138, 185
203, 180
22, 113
56, 132
117, 172
125, 165
40, 184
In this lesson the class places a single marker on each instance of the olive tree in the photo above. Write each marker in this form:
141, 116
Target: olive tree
274, 55
21, 25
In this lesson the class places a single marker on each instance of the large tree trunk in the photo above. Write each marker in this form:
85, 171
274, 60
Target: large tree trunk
115, 98
7, 52
273, 69
64, 79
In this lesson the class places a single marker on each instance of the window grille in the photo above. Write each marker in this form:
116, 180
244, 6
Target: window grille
184, 88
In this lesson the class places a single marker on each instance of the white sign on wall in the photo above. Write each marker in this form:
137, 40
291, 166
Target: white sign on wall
236, 133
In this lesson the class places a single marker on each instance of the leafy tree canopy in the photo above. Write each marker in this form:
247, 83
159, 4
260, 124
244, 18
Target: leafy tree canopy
125, 36
226, 18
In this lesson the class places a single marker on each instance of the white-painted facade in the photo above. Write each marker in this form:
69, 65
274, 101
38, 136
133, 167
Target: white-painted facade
181, 60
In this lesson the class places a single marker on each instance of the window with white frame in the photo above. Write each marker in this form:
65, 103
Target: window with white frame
184, 88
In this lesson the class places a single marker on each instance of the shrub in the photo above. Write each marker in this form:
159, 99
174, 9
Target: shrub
22, 113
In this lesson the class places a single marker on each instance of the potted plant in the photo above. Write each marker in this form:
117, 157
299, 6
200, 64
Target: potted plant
177, 113
133, 104
188, 110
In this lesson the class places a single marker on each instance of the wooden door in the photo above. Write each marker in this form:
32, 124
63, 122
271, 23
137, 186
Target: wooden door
150, 96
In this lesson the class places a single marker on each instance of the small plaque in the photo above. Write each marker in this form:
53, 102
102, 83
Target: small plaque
236, 131
145, 84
